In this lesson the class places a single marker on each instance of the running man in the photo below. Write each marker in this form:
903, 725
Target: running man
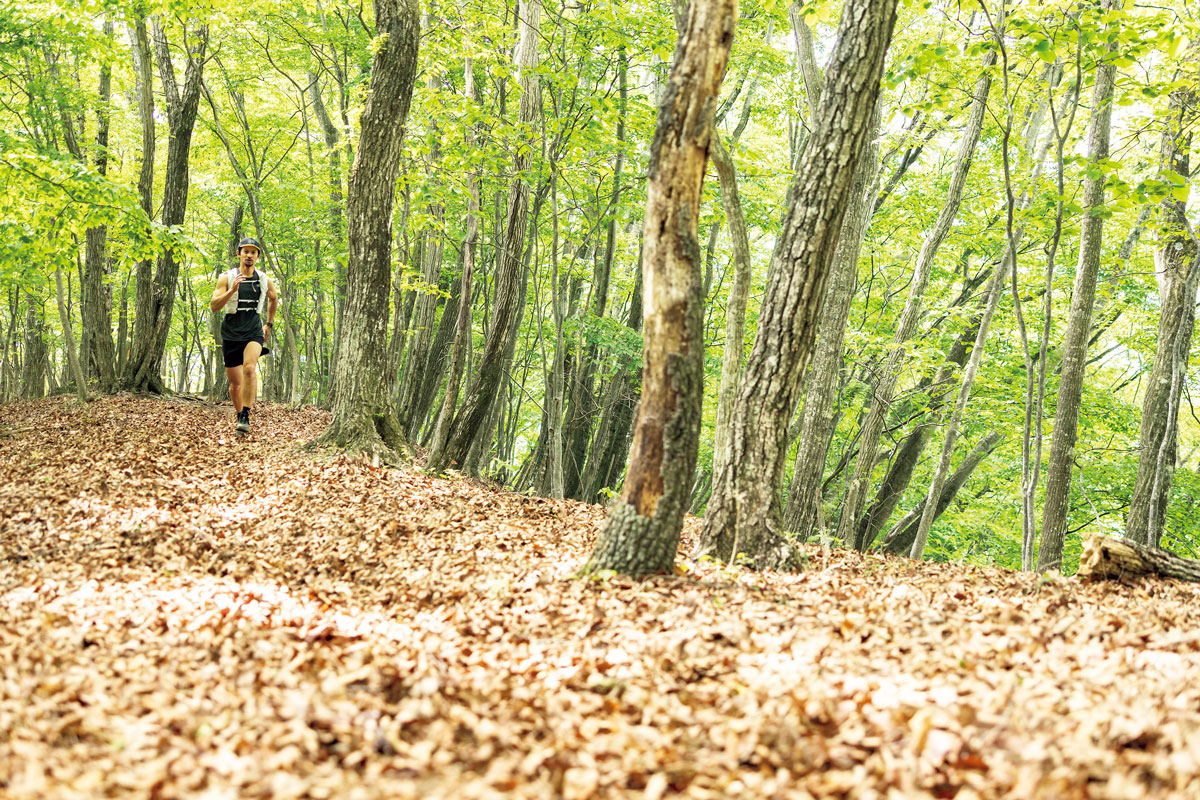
243, 292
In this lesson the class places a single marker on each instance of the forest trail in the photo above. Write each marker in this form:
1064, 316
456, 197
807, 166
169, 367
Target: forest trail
187, 615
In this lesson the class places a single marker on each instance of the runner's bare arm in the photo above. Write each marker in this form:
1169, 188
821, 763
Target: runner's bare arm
223, 292
272, 306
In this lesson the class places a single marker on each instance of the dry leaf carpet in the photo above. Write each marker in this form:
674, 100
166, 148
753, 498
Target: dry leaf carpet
183, 614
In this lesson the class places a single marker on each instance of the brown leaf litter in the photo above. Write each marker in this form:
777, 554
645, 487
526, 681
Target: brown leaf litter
183, 614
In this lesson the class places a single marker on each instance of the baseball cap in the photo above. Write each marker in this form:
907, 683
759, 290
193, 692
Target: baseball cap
250, 241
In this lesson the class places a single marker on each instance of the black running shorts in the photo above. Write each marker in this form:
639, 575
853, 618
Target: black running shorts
235, 351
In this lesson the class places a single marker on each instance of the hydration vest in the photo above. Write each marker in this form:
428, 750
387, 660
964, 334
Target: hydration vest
231, 305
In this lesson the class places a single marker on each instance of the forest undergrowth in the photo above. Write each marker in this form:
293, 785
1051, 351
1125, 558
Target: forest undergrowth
184, 614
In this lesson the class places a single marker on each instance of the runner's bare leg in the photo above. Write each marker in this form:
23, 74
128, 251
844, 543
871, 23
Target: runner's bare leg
250, 373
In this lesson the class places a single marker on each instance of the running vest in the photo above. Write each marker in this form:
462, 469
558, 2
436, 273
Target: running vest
231, 305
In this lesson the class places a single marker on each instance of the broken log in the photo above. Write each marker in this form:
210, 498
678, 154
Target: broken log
1117, 557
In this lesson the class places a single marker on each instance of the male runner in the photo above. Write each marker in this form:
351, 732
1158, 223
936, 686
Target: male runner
243, 292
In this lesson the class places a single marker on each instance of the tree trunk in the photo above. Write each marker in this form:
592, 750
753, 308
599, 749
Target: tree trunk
462, 332
509, 302
884, 390
33, 372
900, 538
735, 307
641, 534
153, 320
817, 420
220, 387
743, 512
96, 330
1178, 271
419, 363
581, 411
1083, 296
363, 420
610, 446
143, 288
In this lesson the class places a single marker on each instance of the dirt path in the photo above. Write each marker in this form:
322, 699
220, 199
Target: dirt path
187, 615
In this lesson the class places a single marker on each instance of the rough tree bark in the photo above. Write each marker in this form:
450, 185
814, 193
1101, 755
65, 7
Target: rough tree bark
1178, 271
363, 420
96, 330
509, 302
816, 426
641, 534
1083, 296
153, 320
885, 387
743, 512
144, 278
33, 367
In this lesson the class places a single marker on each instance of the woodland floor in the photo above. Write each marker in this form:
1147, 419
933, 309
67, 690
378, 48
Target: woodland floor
183, 614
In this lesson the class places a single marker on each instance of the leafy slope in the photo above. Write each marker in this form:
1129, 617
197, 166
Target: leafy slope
182, 615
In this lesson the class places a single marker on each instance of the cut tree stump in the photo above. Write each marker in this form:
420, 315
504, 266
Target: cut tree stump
1117, 557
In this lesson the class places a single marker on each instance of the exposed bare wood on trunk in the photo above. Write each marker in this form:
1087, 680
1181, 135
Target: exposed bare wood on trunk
363, 419
641, 534
743, 513
1117, 557
1083, 296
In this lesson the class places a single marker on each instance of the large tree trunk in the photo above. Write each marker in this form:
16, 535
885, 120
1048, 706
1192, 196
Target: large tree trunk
1083, 296
817, 420
471, 421
641, 534
96, 331
363, 420
884, 390
144, 281
1178, 271
153, 320
743, 513
64, 316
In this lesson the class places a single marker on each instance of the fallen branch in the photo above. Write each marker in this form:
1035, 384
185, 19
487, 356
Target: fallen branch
1117, 557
